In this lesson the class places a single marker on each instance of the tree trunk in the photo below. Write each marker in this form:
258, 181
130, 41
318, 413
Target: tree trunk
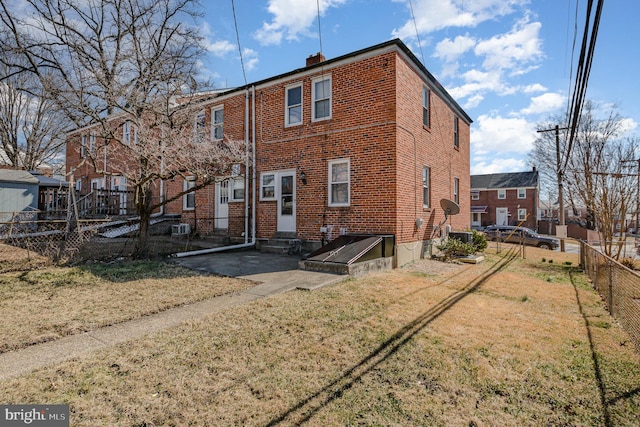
143, 203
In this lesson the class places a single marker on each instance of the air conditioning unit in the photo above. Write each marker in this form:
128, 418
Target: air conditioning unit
463, 236
180, 230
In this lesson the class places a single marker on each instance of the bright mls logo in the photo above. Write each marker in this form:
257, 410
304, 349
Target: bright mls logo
34, 415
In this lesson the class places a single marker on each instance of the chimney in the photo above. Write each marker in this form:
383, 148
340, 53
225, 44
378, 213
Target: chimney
315, 59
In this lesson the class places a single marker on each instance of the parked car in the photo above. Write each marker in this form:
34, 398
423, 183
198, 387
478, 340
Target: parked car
513, 234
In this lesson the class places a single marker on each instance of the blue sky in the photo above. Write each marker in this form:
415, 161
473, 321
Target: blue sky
507, 62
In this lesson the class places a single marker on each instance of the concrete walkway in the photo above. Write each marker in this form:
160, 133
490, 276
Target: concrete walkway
275, 273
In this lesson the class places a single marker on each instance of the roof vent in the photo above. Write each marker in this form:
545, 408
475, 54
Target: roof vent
315, 59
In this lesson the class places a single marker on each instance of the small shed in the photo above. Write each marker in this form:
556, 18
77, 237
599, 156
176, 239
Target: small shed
18, 192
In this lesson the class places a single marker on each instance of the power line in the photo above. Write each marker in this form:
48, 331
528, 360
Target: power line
582, 73
319, 27
235, 22
415, 25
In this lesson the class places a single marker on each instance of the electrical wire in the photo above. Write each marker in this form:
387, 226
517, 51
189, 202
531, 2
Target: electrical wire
415, 26
235, 22
319, 27
582, 73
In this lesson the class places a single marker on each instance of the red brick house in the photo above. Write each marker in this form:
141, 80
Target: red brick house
505, 199
366, 143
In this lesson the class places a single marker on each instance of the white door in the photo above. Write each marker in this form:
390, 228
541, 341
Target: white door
222, 205
119, 184
287, 201
502, 216
476, 219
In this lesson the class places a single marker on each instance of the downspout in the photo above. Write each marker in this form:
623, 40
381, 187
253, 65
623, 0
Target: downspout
246, 244
246, 169
256, 187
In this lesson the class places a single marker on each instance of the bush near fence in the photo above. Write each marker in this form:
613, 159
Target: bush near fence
618, 286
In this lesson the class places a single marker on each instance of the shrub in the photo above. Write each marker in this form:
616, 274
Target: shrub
479, 241
628, 262
454, 248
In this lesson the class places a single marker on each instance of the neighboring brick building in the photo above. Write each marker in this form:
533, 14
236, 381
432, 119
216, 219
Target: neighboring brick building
505, 199
368, 142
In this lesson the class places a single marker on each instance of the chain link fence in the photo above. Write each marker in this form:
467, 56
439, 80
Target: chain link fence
27, 242
618, 285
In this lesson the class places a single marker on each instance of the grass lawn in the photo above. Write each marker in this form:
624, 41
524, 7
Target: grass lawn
508, 342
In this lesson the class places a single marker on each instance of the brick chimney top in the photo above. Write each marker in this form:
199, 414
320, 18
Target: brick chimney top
315, 59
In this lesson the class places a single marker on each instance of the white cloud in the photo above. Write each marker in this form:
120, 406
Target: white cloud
628, 125
496, 134
250, 58
291, 19
450, 50
499, 165
434, 15
220, 48
535, 87
544, 103
518, 48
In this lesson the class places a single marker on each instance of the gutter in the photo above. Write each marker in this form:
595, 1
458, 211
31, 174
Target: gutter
252, 243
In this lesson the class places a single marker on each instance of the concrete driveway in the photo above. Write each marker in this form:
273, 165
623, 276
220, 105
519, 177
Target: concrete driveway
273, 272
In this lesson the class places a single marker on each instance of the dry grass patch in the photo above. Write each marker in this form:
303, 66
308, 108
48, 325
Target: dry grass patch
411, 347
46, 304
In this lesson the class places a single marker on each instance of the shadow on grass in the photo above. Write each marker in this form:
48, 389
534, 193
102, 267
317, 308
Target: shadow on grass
602, 388
305, 409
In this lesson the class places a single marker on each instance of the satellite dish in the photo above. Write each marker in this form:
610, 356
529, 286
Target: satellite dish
449, 207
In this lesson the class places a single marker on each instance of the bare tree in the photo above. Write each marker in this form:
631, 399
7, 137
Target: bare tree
111, 64
32, 128
592, 169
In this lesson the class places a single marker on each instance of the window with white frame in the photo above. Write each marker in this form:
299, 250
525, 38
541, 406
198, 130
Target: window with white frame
502, 193
217, 123
199, 127
339, 182
321, 94
522, 214
268, 186
92, 143
237, 190
189, 199
83, 146
126, 133
475, 195
456, 134
293, 105
456, 190
426, 99
522, 193
78, 185
426, 187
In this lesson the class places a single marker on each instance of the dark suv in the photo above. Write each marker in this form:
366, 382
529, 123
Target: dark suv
513, 234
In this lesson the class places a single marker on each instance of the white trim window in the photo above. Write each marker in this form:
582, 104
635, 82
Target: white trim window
237, 190
502, 193
522, 214
426, 187
293, 105
426, 104
339, 182
199, 127
92, 143
456, 190
321, 96
126, 133
217, 123
268, 186
78, 185
522, 193
456, 132
83, 146
189, 199
475, 195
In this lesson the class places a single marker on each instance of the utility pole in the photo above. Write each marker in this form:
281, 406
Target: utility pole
561, 229
637, 224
